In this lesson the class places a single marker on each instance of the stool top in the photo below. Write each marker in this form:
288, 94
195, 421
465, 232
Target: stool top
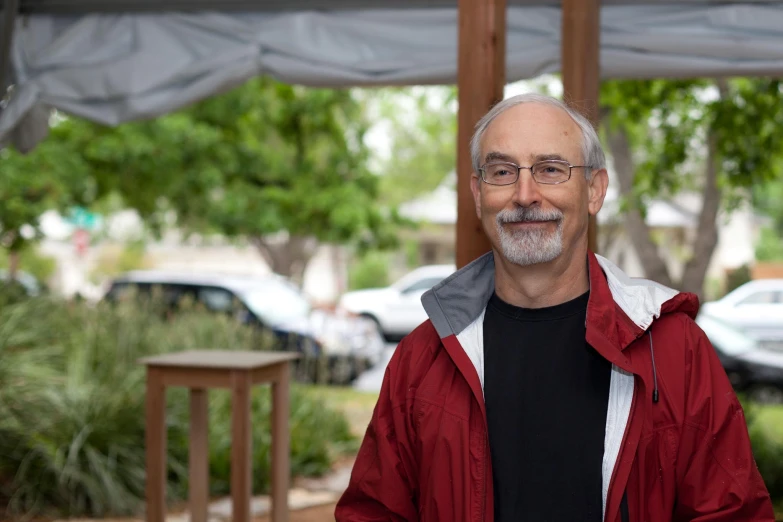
219, 359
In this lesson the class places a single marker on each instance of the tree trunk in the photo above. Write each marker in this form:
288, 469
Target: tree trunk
639, 233
13, 265
288, 257
707, 232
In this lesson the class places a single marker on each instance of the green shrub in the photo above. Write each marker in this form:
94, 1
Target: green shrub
769, 246
31, 260
371, 270
72, 408
11, 292
765, 427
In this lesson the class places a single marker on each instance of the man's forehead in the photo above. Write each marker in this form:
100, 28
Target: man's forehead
534, 118
533, 131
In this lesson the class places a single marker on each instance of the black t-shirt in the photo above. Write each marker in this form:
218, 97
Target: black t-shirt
546, 392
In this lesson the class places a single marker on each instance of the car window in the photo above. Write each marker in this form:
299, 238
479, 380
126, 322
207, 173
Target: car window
724, 337
124, 290
173, 295
423, 284
763, 297
276, 302
216, 299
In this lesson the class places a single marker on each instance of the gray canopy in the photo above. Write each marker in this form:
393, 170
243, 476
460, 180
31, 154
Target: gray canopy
113, 67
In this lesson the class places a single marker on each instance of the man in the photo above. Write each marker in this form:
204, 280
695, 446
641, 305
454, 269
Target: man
547, 385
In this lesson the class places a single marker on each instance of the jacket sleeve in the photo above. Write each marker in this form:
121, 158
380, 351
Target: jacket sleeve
380, 487
717, 475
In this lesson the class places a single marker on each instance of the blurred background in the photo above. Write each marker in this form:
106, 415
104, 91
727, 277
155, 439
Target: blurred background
274, 216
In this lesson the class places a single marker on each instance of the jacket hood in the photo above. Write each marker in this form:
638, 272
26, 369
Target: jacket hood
459, 300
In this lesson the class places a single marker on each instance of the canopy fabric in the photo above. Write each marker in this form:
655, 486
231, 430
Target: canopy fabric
113, 68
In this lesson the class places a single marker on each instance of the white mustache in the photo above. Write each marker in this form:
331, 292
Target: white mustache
528, 215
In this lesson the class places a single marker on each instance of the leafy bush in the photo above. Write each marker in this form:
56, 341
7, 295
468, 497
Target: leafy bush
33, 261
371, 270
769, 246
11, 292
72, 408
765, 427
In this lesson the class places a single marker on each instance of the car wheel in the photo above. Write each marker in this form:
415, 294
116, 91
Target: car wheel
341, 371
374, 319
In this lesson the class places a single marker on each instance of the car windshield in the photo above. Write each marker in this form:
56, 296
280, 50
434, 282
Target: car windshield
276, 302
724, 337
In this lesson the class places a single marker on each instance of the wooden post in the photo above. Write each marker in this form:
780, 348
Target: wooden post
199, 455
280, 445
155, 442
241, 446
580, 36
481, 76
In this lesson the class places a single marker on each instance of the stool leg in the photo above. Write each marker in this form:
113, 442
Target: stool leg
155, 442
241, 446
280, 446
199, 455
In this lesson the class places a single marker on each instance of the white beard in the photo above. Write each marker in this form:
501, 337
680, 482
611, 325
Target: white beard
530, 247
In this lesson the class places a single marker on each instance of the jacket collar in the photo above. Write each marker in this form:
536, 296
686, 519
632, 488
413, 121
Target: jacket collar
621, 308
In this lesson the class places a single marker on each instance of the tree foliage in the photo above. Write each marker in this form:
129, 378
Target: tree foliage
422, 125
265, 160
714, 137
53, 178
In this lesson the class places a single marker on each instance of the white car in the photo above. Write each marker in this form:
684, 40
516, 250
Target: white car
397, 309
755, 307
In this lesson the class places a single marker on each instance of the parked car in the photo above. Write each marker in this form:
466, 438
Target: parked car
752, 368
347, 345
397, 309
755, 307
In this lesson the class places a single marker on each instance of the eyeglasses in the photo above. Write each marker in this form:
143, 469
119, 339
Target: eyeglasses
549, 172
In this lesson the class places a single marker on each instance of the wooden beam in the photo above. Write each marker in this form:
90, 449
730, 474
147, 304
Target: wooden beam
581, 33
481, 76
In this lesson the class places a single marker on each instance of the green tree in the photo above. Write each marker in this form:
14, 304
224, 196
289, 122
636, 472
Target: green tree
52, 178
719, 138
422, 124
282, 166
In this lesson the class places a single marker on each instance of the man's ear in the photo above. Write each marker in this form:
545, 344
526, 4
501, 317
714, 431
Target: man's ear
596, 190
475, 188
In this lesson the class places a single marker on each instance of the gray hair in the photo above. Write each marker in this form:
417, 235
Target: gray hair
592, 152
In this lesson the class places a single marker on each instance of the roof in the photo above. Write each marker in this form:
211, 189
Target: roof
115, 6
231, 282
79, 57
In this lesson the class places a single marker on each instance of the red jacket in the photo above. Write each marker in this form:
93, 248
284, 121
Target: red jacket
676, 445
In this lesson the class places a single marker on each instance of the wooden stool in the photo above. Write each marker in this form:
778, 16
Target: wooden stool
199, 371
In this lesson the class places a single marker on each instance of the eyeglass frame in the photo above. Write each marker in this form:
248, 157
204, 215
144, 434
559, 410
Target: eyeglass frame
530, 168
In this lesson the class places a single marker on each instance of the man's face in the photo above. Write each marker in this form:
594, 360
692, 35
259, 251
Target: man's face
528, 222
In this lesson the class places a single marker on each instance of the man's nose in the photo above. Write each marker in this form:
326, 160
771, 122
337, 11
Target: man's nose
526, 190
